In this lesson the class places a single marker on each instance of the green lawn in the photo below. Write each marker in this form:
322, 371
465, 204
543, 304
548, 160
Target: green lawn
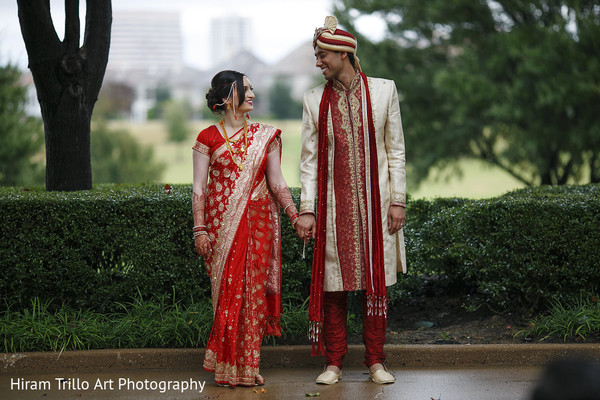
478, 180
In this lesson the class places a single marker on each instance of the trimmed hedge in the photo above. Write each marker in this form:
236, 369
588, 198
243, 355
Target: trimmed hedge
515, 252
94, 249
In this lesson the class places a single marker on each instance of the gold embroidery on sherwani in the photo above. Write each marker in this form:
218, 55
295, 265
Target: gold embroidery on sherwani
307, 205
392, 181
398, 197
349, 183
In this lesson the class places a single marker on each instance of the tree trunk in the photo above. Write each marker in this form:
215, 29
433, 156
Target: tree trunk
595, 167
549, 167
67, 79
68, 157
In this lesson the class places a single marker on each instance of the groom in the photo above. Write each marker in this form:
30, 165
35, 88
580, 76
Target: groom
353, 164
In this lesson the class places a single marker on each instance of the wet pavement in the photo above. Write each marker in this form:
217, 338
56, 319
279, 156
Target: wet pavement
281, 383
440, 372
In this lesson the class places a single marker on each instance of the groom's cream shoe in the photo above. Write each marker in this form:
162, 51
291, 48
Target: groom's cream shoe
329, 377
381, 376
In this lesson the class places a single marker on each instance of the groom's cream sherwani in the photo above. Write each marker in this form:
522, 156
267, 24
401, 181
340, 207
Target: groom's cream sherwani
347, 200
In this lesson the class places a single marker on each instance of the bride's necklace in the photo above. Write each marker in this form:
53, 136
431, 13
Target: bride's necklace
236, 155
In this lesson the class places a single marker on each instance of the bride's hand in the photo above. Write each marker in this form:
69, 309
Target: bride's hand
203, 246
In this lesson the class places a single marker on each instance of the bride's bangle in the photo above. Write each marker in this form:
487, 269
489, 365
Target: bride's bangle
293, 219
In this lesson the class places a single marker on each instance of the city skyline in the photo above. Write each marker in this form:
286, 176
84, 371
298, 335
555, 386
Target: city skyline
278, 26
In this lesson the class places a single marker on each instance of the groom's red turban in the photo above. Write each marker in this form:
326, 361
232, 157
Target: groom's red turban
329, 37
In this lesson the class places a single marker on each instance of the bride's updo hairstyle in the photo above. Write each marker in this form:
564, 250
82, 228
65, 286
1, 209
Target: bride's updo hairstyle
220, 90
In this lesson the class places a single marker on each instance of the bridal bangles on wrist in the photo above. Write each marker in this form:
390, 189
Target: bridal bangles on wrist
199, 230
294, 219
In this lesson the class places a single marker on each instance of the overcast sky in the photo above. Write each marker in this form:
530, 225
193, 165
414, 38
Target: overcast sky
279, 26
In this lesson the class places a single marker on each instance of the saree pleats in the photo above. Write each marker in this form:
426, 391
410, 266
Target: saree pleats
240, 318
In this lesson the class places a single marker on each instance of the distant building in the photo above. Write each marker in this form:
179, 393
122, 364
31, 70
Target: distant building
298, 69
148, 41
146, 51
146, 55
229, 36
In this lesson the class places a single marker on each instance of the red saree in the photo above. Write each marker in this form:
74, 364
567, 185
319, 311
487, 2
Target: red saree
242, 220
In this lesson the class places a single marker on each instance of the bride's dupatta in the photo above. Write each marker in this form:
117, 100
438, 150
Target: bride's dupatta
243, 224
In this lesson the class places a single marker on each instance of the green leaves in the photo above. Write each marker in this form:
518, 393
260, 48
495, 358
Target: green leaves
154, 323
515, 252
514, 83
118, 158
21, 136
573, 320
130, 245
91, 249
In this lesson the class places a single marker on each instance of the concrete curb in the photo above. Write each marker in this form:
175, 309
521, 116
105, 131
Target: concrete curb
398, 356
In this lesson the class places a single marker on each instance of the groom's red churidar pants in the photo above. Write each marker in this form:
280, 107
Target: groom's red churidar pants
335, 307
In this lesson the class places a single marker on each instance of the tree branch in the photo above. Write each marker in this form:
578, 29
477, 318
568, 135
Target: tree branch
37, 29
486, 153
96, 44
72, 26
549, 174
561, 180
98, 21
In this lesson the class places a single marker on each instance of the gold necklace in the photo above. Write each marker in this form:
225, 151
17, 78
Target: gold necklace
237, 159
